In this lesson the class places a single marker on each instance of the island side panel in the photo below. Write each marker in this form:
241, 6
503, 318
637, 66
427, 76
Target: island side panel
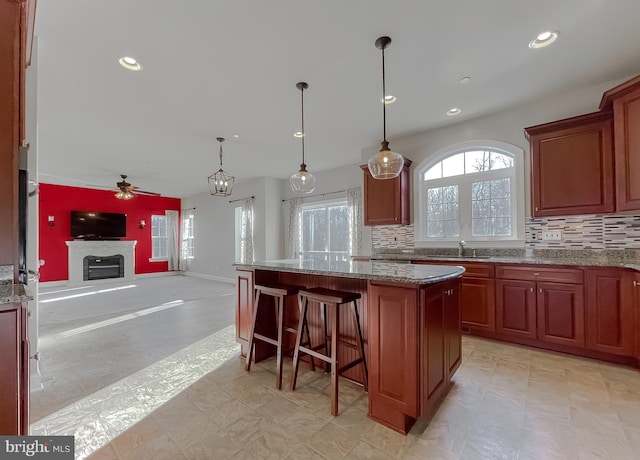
394, 383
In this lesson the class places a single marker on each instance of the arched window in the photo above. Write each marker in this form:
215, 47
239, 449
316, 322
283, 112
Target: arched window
471, 193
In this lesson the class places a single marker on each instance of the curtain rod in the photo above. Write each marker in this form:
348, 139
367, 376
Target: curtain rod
318, 194
240, 199
188, 209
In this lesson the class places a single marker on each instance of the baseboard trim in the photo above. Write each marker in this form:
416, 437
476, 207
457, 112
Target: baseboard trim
108, 280
221, 279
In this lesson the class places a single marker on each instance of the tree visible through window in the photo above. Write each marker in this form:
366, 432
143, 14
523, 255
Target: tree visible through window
469, 195
325, 229
159, 240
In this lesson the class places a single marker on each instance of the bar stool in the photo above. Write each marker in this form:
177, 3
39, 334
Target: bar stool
279, 292
335, 298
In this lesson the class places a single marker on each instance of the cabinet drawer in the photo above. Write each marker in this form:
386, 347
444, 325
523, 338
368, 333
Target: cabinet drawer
475, 270
472, 269
537, 273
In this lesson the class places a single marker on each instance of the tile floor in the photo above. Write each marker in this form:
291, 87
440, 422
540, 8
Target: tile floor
193, 399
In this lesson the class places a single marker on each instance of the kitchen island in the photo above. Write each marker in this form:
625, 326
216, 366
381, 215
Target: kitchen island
410, 316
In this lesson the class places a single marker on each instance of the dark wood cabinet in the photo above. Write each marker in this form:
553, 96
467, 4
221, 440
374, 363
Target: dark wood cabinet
477, 295
415, 348
14, 369
516, 308
610, 311
387, 202
17, 18
636, 308
560, 313
394, 336
541, 303
572, 166
624, 99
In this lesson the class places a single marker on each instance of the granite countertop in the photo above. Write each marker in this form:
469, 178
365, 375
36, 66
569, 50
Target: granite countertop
374, 270
586, 258
14, 293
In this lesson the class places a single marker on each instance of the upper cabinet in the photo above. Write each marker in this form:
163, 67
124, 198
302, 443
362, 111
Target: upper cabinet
572, 166
387, 201
590, 163
624, 99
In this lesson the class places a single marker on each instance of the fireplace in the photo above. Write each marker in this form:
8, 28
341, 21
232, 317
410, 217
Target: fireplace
96, 261
98, 268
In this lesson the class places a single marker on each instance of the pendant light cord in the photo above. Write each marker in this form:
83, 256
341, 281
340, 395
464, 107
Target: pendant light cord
302, 117
384, 104
220, 155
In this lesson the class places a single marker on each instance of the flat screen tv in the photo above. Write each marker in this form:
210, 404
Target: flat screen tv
90, 225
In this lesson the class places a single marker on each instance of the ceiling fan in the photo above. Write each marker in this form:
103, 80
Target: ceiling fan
128, 191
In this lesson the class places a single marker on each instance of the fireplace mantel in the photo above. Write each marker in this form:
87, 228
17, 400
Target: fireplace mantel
78, 249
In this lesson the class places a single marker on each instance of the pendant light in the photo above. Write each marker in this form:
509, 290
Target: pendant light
302, 181
385, 164
220, 182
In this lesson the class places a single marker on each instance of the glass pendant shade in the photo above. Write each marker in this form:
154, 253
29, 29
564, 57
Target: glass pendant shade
303, 181
385, 164
221, 182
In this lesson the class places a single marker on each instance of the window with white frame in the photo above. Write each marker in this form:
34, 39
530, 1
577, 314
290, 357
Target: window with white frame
324, 229
470, 194
159, 239
187, 236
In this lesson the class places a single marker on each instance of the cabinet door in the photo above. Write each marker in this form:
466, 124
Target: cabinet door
386, 202
244, 307
10, 354
516, 308
478, 304
393, 350
452, 311
572, 166
626, 119
636, 296
561, 313
610, 316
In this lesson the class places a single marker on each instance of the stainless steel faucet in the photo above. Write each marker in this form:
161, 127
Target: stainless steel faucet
461, 245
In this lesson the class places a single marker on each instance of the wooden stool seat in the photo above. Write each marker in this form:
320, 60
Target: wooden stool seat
278, 292
334, 298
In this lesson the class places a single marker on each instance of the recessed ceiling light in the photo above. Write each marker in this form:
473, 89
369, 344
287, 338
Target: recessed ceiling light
544, 39
129, 63
465, 80
298, 134
454, 111
389, 99
236, 135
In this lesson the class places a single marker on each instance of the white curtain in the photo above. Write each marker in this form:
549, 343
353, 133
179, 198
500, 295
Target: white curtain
173, 240
292, 245
187, 234
354, 205
246, 232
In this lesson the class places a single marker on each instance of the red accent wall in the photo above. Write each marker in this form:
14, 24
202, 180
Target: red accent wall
60, 200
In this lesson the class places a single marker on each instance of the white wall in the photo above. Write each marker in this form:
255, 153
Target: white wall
214, 227
214, 224
506, 126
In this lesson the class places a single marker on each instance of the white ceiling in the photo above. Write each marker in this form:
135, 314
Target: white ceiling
215, 68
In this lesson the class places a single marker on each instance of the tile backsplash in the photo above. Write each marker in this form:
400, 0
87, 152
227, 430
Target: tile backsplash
578, 232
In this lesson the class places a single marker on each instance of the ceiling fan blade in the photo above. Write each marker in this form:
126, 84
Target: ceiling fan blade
144, 192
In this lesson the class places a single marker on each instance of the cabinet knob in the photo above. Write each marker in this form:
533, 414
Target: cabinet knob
531, 289
540, 290
535, 273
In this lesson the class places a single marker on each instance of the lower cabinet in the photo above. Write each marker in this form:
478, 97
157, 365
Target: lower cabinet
14, 370
532, 307
516, 308
610, 311
414, 349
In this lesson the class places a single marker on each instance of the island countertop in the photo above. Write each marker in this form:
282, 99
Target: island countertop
374, 270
